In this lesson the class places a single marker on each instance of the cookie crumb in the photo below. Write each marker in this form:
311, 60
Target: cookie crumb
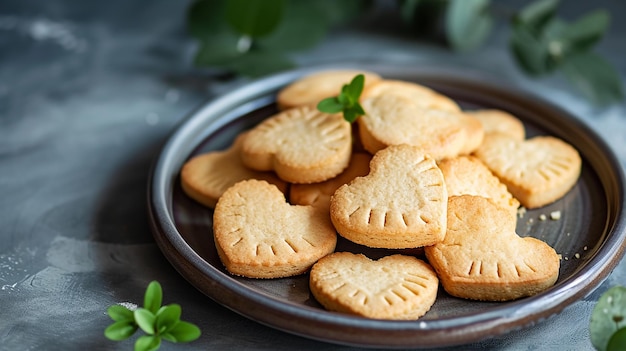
542, 217
521, 211
585, 248
555, 215
577, 255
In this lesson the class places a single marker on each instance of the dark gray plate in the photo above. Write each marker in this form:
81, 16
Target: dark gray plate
590, 235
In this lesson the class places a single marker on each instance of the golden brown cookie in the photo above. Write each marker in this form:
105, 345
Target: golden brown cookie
401, 203
393, 287
537, 171
259, 235
467, 175
311, 89
393, 119
302, 145
318, 194
205, 177
498, 121
420, 95
482, 258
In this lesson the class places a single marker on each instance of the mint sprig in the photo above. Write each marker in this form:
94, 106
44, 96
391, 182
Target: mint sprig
158, 322
347, 101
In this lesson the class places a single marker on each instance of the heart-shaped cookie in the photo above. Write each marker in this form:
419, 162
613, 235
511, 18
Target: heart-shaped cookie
467, 175
536, 171
482, 258
319, 194
259, 235
392, 119
499, 121
400, 204
418, 94
206, 177
394, 287
302, 145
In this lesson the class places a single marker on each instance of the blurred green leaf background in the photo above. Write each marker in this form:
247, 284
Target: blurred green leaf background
256, 37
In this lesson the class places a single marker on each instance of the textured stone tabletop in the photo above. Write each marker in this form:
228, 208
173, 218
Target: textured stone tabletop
90, 91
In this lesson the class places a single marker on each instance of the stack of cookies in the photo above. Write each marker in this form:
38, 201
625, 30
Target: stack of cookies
416, 171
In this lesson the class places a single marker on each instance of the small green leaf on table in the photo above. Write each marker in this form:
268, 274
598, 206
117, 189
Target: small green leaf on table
145, 320
617, 341
185, 332
120, 313
120, 330
153, 297
608, 316
167, 317
148, 343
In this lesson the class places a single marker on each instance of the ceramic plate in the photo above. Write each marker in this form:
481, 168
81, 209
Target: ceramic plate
590, 234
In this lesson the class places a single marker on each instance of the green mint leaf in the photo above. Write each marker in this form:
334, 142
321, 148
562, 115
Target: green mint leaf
148, 343
347, 101
587, 31
467, 23
120, 313
358, 109
120, 330
617, 341
330, 105
145, 319
153, 297
608, 316
185, 332
537, 14
254, 18
167, 317
594, 77
344, 98
351, 114
355, 88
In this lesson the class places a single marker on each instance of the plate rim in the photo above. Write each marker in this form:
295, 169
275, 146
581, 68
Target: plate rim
400, 333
